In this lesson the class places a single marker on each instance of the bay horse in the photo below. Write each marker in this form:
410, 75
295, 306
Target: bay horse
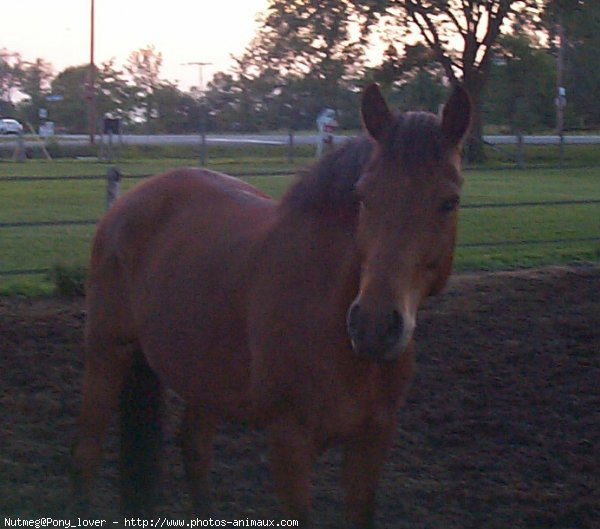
294, 315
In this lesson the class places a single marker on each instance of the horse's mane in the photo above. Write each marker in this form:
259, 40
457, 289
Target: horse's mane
328, 184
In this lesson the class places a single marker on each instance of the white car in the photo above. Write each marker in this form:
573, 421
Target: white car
10, 126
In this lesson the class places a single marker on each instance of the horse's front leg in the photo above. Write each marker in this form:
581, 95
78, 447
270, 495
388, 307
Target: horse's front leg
364, 456
197, 435
291, 456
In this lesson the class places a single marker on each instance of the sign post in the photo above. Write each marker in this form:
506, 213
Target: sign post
326, 124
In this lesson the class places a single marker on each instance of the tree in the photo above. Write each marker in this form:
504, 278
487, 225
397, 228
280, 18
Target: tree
112, 98
11, 76
262, 94
462, 35
35, 84
413, 78
314, 43
143, 66
306, 40
70, 113
522, 86
115, 97
223, 97
175, 111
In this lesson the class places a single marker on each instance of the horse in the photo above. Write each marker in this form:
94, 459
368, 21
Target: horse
294, 315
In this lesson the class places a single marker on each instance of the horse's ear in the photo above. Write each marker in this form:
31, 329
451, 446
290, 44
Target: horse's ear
375, 113
456, 117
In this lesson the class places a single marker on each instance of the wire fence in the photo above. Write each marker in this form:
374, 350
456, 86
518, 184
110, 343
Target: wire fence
477, 244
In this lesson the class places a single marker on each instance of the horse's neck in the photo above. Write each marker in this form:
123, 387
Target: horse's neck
322, 247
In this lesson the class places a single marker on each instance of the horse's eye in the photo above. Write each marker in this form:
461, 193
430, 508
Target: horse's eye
450, 205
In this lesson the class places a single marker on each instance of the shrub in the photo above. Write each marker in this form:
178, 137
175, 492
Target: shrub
68, 280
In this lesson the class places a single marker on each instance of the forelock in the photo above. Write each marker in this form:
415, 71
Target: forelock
416, 138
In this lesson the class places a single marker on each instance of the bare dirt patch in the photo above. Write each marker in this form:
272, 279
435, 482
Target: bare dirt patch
501, 430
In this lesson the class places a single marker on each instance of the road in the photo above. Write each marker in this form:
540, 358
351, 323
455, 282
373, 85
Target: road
299, 139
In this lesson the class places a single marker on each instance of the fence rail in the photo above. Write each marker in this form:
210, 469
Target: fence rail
42, 223
492, 205
478, 244
482, 205
243, 174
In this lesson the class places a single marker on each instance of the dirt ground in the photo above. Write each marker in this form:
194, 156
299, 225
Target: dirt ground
501, 430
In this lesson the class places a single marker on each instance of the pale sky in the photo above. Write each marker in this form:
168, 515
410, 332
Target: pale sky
58, 31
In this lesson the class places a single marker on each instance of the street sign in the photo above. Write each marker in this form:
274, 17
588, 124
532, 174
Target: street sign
54, 97
327, 124
46, 129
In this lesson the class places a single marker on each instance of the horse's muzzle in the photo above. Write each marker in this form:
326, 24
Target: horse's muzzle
377, 336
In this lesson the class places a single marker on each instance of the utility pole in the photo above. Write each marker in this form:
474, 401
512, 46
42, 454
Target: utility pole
91, 89
203, 109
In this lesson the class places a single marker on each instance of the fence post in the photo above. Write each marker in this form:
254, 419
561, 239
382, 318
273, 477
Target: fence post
203, 126
520, 152
20, 153
113, 179
290, 153
561, 149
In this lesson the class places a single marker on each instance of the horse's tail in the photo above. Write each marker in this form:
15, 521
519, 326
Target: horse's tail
141, 439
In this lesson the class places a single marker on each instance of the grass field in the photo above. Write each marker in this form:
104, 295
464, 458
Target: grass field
44, 247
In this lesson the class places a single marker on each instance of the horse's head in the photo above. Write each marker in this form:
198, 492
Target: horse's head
409, 195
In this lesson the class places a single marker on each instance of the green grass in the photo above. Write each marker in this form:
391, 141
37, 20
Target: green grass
529, 223
142, 166
69, 246
576, 155
152, 159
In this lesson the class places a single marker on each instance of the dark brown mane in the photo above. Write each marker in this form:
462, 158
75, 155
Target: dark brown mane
328, 185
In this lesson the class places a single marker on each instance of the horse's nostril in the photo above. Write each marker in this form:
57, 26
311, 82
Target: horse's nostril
394, 327
373, 336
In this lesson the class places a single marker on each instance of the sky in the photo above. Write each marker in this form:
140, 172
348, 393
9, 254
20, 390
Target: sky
58, 31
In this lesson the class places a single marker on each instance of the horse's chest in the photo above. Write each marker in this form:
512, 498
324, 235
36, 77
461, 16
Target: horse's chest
358, 408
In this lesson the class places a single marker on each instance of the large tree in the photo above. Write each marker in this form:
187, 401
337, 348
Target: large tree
462, 34
521, 90
316, 40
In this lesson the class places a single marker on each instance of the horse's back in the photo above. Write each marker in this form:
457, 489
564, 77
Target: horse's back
184, 206
170, 262
149, 209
